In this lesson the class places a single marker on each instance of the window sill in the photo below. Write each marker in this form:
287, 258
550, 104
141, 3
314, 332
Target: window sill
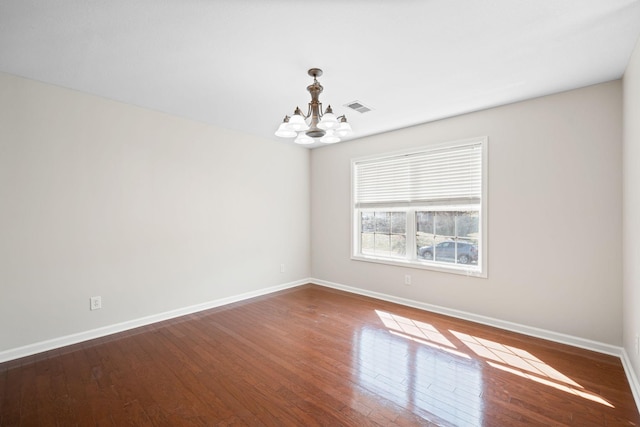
424, 265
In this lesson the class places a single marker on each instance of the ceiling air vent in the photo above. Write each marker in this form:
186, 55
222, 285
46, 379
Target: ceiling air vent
357, 106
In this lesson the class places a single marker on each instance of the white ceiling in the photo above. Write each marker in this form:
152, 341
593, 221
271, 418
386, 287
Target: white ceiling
242, 64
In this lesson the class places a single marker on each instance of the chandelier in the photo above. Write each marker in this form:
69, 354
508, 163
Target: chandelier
315, 124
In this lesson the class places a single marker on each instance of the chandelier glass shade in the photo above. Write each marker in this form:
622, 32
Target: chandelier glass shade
316, 123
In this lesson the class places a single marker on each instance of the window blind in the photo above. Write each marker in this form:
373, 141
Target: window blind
443, 175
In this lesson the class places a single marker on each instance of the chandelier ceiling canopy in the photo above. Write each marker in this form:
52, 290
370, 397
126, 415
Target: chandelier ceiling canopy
316, 123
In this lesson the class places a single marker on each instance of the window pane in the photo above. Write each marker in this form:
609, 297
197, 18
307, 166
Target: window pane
467, 251
367, 222
398, 222
383, 222
367, 243
445, 223
398, 244
445, 251
424, 241
383, 243
424, 230
467, 224
424, 222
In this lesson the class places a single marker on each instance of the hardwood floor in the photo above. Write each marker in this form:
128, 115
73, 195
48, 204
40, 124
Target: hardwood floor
315, 356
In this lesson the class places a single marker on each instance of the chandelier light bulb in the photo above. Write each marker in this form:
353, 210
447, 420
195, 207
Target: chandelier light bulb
329, 138
329, 120
344, 129
296, 122
284, 131
303, 139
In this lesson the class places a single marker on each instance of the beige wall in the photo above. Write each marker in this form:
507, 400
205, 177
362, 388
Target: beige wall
149, 211
554, 215
155, 213
631, 209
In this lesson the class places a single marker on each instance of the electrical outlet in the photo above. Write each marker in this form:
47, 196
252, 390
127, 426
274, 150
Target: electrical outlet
407, 279
95, 303
281, 268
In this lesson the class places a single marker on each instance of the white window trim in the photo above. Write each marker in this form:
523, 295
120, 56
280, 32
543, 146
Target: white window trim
480, 270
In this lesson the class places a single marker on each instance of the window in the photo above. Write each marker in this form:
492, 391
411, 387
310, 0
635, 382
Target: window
424, 208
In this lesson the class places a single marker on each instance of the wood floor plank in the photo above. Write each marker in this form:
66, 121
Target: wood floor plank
313, 356
10, 384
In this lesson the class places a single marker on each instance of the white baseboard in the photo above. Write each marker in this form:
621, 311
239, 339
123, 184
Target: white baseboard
631, 376
52, 344
484, 320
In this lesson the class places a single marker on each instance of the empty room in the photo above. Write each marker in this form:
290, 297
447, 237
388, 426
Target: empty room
355, 213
